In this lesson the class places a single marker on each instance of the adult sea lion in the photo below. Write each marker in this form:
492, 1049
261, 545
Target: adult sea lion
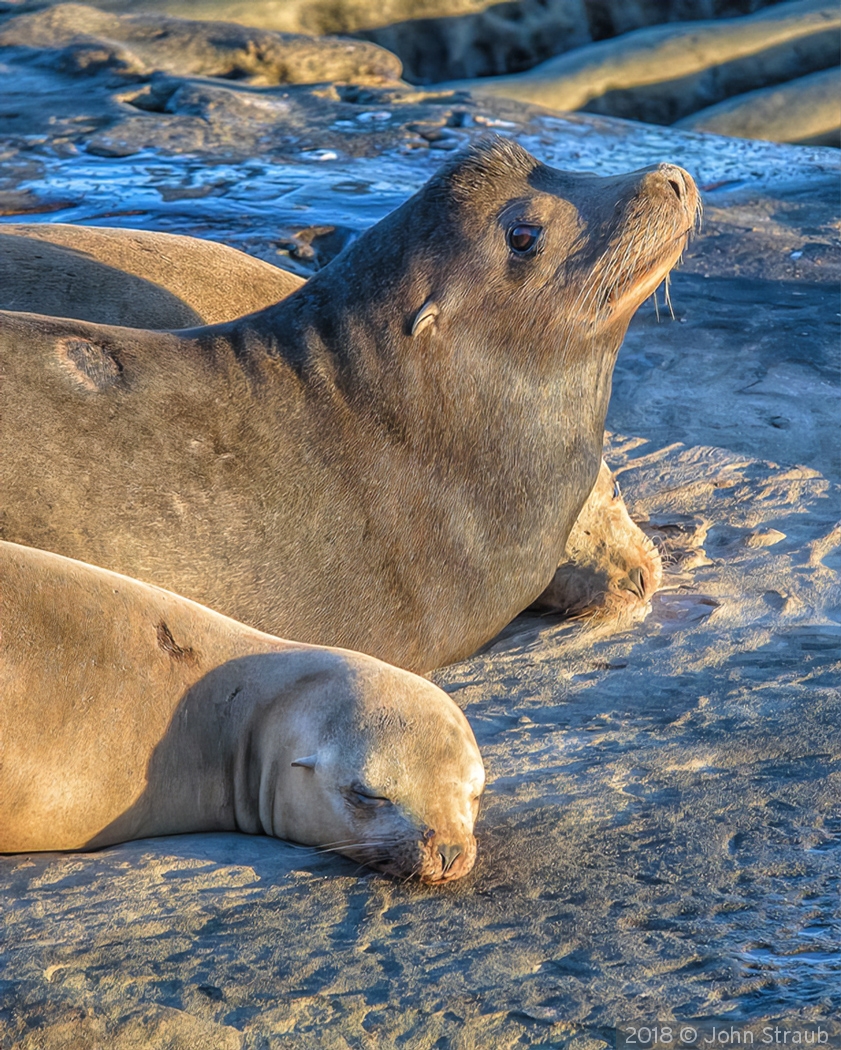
143, 279
129, 712
390, 459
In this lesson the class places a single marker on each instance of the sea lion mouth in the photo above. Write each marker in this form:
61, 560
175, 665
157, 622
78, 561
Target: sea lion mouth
426, 859
654, 229
644, 275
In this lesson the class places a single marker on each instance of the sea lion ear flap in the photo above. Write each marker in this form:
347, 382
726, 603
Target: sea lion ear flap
308, 762
425, 317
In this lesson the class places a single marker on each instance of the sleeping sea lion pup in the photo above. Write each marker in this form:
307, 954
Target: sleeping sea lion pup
129, 712
390, 459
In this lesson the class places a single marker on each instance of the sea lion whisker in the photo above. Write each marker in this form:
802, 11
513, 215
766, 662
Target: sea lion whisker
358, 846
667, 295
412, 874
334, 847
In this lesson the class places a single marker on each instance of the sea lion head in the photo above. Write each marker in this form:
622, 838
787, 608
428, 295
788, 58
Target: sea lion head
375, 763
590, 248
504, 254
480, 322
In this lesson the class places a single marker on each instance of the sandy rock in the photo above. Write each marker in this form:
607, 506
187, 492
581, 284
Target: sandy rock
658, 839
806, 110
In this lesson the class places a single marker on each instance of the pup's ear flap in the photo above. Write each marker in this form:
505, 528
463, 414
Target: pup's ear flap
306, 763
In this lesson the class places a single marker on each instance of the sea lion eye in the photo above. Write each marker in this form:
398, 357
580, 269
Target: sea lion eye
523, 238
361, 797
617, 492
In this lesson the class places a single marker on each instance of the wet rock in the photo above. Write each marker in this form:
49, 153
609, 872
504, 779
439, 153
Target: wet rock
312, 247
435, 38
609, 18
441, 39
689, 56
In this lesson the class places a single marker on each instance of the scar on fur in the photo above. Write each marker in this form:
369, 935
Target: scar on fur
92, 366
169, 645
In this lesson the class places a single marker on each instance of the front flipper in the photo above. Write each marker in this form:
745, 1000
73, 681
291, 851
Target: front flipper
611, 568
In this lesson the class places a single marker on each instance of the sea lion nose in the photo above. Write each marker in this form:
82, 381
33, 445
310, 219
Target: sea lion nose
675, 177
449, 855
635, 581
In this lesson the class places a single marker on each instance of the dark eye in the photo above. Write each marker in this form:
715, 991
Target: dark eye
617, 492
361, 797
523, 238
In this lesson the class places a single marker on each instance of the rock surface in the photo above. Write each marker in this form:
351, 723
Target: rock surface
664, 72
658, 62
440, 39
660, 840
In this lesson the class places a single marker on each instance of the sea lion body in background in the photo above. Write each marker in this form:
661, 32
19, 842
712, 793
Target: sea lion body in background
129, 712
134, 278
392, 458
143, 279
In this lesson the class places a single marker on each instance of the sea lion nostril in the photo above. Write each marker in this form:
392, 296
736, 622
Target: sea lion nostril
448, 855
637, 582
677, 187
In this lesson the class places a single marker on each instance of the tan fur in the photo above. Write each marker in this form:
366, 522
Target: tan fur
129, 712
132, 277
314, 469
